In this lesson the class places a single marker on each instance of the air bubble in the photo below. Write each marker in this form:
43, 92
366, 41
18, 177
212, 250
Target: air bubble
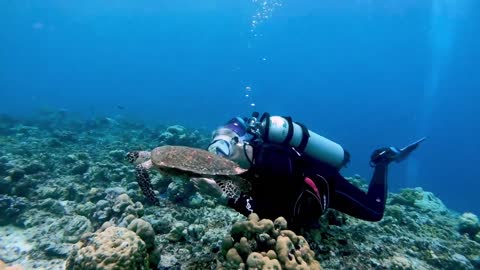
263, 12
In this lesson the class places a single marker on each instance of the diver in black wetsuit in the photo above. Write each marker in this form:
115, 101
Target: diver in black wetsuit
294, 172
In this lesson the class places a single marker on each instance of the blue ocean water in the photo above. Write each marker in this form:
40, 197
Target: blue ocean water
363, 73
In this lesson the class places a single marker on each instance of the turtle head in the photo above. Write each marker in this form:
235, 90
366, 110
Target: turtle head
137, 157
131, 157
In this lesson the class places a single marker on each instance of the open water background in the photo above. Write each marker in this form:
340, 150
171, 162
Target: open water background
363, 73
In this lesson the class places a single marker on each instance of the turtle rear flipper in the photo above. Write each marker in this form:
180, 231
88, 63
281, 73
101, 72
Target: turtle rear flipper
143, 180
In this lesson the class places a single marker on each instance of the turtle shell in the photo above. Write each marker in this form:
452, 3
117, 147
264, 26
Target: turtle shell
193, 160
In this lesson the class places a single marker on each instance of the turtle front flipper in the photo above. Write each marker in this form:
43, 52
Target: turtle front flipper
143, 180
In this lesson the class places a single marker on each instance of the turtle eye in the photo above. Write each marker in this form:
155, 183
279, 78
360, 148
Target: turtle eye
235, 140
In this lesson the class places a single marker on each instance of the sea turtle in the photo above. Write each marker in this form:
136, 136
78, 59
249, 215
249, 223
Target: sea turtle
189, 162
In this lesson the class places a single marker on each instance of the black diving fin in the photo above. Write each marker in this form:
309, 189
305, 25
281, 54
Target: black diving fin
405, 151
389, 154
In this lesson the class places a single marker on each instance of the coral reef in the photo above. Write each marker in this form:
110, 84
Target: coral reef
144, 230
10, 208
115, 209
468, 224
62, 178
3, 266
179, 135
263, 244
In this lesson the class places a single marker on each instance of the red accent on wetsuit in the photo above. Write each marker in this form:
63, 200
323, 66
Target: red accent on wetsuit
310, 182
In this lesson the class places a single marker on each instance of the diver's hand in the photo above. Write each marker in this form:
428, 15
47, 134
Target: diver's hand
207, 186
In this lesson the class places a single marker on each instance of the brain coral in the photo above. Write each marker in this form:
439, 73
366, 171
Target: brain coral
114, 248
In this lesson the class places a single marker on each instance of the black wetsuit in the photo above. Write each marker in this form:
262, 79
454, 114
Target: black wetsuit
301, 189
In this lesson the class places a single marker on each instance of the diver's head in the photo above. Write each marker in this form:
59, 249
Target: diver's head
231, 141
239, 126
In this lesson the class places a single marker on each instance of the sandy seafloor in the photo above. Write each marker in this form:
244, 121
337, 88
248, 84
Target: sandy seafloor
61, 179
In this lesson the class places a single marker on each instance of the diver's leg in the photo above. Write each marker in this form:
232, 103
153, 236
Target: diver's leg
353, 201
370, 206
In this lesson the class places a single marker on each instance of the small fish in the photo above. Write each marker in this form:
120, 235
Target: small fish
120, 107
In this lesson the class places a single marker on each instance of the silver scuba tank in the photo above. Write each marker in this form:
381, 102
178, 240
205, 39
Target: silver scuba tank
283, 130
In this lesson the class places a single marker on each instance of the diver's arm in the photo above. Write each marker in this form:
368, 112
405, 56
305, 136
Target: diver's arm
226, 192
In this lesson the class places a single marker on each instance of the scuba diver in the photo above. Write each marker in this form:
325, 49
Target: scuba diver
294, 172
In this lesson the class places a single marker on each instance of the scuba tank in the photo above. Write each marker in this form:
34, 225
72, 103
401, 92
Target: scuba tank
283, 130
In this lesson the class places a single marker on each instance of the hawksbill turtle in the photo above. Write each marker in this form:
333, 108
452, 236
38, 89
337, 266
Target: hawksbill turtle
190, 163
